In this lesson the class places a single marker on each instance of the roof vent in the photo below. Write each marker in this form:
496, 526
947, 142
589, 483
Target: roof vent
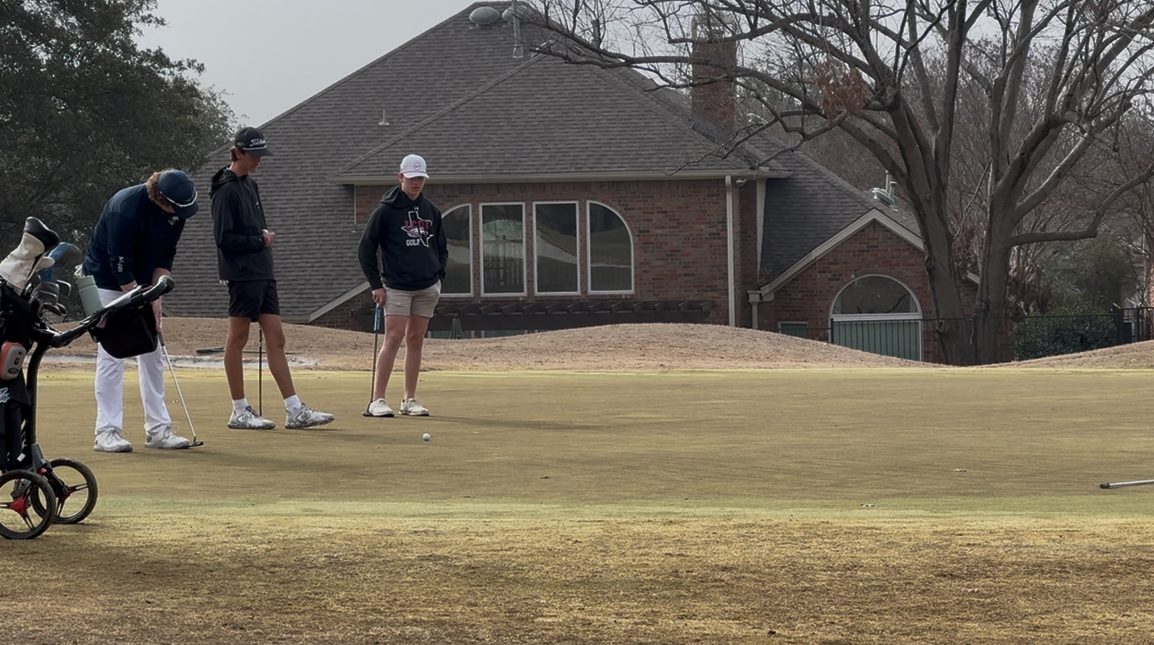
484, 16
885, 195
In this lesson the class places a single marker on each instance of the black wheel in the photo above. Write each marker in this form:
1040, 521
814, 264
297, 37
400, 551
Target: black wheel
75, 488
27, 505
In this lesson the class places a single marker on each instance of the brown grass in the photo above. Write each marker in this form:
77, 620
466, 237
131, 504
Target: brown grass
608, 347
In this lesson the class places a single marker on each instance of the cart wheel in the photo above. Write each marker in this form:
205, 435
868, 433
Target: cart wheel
27, 505
75, 488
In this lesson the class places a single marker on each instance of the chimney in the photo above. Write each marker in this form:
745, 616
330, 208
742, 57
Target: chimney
714, 98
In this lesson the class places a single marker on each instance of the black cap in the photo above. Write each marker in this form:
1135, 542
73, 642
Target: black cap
251, 141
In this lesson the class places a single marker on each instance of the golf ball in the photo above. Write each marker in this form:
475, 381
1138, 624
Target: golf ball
427, 437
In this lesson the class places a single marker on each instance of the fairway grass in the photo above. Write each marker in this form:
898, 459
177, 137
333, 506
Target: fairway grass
880, 505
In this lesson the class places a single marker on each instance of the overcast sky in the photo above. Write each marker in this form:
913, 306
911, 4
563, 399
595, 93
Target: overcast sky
268, 55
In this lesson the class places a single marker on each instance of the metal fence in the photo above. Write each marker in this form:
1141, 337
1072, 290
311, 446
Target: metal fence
1019, 338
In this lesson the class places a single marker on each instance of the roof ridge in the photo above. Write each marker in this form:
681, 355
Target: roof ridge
439, 114
376, 61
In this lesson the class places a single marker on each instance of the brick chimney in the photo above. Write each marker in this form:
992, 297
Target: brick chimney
714, 98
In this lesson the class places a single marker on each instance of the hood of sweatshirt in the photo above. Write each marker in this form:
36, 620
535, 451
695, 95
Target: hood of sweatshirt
396, 198
222, 177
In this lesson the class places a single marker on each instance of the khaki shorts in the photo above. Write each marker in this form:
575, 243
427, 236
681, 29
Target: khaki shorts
412, 303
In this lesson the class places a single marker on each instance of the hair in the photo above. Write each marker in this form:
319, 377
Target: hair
153, 191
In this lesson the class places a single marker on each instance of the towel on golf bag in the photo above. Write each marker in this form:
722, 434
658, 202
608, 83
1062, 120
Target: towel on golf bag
128, 332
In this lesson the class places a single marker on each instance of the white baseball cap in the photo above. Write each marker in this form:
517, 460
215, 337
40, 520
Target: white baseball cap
414, 166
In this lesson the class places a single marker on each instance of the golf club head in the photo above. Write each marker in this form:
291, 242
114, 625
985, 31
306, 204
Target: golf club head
65, 288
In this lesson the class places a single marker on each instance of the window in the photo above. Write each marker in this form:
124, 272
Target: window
610, 251
874, 295
799, 329
555, 247
503, 249
459, 268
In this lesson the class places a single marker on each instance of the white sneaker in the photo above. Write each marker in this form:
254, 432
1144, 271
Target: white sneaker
306, 417
165, 439
380, 408
413, 408
248, 419
111, 441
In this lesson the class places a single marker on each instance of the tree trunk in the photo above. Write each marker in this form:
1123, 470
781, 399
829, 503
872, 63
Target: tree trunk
953, 334
991, 328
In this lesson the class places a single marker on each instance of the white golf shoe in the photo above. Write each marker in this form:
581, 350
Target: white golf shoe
306, 417
380, 408
248, 419
413, 408
111, 441
165, 439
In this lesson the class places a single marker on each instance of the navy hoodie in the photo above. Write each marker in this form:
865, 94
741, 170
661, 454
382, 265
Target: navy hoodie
133, 238
238, 225
411, 240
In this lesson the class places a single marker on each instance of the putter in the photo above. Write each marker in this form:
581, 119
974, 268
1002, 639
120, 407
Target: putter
168, 359
1139, 482
260, 372
376, 337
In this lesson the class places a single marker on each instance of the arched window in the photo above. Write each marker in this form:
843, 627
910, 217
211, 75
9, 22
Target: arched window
877, 314
459, 267
874, 294
610, 251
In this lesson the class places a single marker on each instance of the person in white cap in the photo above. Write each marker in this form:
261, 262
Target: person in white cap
135, 243
405, 229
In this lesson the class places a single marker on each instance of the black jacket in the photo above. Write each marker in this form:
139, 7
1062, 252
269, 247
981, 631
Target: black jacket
238, 225
411, 240
133, 238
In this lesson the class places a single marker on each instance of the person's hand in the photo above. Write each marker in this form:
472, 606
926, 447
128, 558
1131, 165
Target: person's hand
268, 237
157, 310
379, 297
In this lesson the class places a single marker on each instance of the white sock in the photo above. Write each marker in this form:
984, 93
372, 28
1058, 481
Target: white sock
293, 404
240, 405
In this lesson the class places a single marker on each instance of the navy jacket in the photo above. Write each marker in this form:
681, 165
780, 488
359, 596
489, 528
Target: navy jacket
411, 240
238, 224
133, 238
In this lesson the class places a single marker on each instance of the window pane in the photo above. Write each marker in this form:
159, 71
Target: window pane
556, 248
503, 248
458, 269
610, 251
874, 295
799, 329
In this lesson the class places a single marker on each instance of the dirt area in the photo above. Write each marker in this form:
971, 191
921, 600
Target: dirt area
608, 347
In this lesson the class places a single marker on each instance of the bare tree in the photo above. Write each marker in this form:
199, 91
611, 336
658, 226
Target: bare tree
1055, 78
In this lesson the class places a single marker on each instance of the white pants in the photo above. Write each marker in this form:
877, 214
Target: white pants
110, 385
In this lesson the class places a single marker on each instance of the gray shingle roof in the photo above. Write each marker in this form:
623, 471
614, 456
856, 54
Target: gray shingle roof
456, 94
807, 209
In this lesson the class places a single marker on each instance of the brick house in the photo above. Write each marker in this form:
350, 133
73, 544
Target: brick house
572, 196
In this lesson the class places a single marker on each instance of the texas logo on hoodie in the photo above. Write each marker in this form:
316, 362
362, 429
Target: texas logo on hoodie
417, 228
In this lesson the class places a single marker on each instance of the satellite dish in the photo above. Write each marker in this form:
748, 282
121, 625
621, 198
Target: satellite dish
483, 16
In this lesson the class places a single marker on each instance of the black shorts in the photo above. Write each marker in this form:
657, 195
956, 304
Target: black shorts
252, 299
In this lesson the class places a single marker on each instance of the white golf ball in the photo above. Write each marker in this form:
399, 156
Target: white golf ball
427, 437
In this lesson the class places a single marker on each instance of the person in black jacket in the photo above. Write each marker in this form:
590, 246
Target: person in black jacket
244, 261
406, 230
134, 242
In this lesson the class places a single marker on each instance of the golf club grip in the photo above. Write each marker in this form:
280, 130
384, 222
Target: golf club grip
1140, 482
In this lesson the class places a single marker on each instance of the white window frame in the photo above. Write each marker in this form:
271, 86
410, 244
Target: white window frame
577, 254
914, 316
589, 251
469, 225
524, 250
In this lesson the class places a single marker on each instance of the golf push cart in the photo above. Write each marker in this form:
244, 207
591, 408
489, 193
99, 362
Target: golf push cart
36, 491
